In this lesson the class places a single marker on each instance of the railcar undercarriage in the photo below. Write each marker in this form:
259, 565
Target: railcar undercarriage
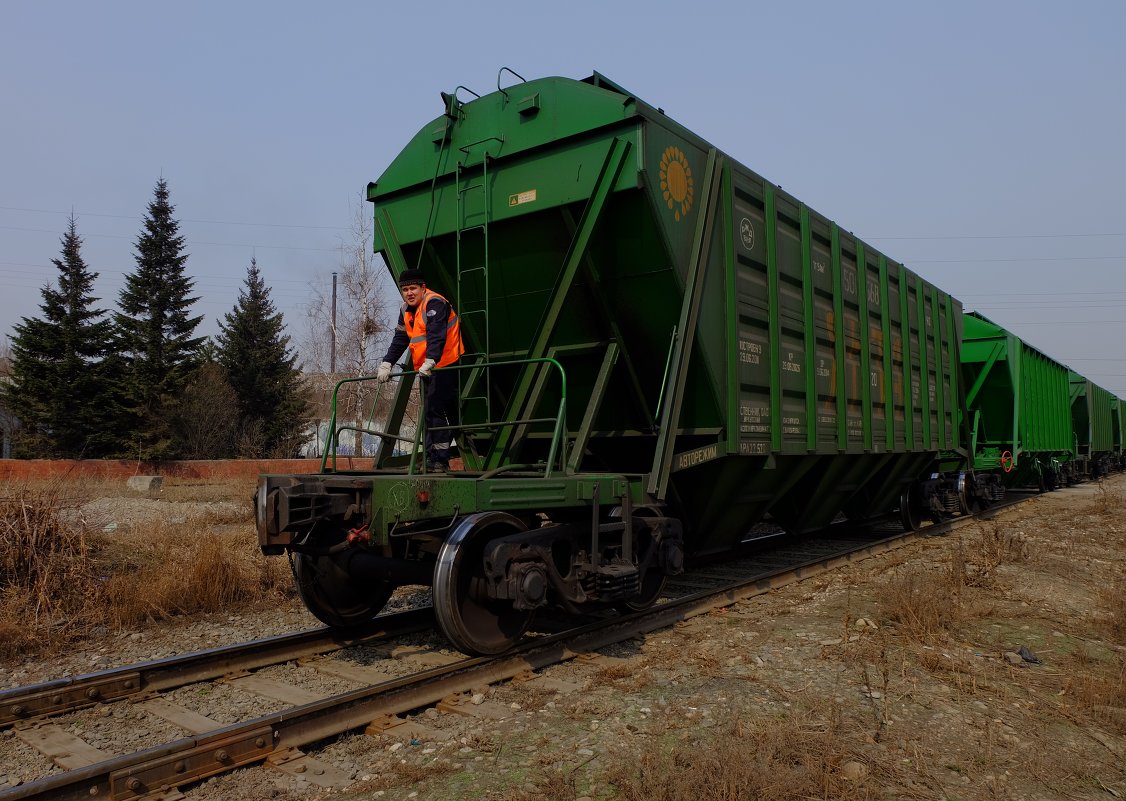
352, 540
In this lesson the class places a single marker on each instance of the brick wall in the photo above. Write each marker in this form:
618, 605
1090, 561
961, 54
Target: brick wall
24, 469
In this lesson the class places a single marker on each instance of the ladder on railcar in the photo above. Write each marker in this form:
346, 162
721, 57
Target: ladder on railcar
474, 385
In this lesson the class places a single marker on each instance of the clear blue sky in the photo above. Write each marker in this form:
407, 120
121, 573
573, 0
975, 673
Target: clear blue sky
983, 143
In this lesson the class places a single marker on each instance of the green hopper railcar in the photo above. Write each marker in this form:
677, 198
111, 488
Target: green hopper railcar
663, 348
1018, 401
1093, 425
1117, 431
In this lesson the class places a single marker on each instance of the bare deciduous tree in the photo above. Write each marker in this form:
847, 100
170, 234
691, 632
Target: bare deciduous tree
207, 426
8, 422
365, 312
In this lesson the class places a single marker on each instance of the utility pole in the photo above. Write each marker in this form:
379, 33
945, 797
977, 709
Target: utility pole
332, 353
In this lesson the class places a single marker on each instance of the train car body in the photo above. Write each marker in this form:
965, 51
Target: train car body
1117, 432
1019, 407
1093, 425
662, 349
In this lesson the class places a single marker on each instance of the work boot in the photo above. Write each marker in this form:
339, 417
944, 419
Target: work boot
436, 467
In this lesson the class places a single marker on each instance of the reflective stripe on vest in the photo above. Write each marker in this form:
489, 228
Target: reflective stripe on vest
415, 325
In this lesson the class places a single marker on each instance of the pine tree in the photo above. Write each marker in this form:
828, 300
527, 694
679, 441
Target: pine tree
155, 331
59, 389
254, 351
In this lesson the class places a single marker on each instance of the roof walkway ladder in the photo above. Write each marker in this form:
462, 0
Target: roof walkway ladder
472, 241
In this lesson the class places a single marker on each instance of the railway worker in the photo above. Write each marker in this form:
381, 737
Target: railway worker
429, 327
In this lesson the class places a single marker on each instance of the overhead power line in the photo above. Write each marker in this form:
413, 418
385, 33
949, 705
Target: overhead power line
109, 271
1018, 260
918, 237
188, 241
993, 236
1068, 322
1029, 294
207, 222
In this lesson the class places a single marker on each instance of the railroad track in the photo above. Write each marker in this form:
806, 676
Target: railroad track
278, 737
69, 695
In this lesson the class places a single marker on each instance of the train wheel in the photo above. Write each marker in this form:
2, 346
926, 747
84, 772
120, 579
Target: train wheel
909, 511
334, 597
654, 579
653, 583
470, 619
965, 498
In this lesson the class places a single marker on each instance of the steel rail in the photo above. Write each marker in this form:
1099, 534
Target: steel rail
192, 759
67, 695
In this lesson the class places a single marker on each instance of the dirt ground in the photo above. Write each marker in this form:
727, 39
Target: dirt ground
898, 677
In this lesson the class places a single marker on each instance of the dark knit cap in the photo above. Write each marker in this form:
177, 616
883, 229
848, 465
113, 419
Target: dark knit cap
411, 277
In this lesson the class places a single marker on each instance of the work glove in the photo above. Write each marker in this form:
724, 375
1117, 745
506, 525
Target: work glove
427, 367
383, 374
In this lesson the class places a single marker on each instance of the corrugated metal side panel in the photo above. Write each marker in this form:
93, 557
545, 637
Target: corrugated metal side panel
837, 348
878, 356
1045, 408
1080, 411
1102, 429
752, 323
1116, 418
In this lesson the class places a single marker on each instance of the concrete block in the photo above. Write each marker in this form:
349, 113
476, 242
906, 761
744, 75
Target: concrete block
144, 483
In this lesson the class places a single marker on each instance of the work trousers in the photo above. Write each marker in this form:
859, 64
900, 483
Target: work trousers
440, 399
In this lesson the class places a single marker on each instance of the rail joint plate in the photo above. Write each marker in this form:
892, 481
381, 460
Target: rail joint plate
66, 698
208, 758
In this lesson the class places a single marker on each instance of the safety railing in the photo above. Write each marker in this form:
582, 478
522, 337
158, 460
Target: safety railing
557, 452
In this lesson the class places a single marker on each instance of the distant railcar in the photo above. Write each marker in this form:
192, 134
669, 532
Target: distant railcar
1018, 402
1093, 424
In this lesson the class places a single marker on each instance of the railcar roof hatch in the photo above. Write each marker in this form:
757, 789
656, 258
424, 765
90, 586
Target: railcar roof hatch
602, 82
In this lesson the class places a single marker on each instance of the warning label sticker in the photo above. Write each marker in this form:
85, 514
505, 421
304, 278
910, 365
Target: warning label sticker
522, 197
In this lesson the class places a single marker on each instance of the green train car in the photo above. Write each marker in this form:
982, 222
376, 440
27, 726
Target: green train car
1093, 424
1118, 425
663, 348
1019, 407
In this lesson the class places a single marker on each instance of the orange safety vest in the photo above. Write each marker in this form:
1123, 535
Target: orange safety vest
415, 324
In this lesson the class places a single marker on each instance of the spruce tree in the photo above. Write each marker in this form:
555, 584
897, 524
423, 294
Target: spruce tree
59, 388
155, 331
254, 351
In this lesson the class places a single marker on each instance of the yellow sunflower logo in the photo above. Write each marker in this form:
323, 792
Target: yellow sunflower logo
677, 185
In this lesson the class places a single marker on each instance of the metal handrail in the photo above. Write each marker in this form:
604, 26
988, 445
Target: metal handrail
557, 450
512, 72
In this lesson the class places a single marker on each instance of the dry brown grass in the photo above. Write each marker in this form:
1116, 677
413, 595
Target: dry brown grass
924, 603
555, 784
175, 575
1108, 501
773, 759
59, 581
1113, 600
929, 601
402, 774
47, 572
615, 671
1102, 695
940, 662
